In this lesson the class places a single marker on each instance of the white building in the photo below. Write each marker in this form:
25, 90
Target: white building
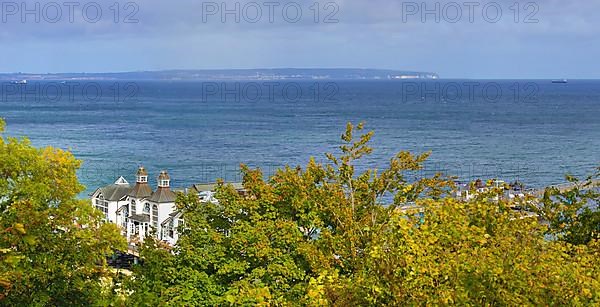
138, 210
141, 212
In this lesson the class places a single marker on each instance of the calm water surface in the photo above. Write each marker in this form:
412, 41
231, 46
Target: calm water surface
534, 131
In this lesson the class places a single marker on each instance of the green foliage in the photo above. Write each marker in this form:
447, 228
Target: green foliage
469, 254
573, 215
53, 246
321, 235
327, 235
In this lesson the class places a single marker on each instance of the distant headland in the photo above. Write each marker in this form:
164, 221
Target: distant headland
233, 74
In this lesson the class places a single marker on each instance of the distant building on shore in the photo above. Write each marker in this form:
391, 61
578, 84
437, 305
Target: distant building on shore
141, 211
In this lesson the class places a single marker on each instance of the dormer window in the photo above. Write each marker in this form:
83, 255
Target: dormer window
163, 179
142, 175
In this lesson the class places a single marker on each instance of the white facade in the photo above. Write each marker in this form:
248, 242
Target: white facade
108, 199
139, 210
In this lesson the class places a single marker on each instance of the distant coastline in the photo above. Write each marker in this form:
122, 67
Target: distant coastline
232, 74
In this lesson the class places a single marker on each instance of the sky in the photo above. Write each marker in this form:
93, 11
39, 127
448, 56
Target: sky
469, 39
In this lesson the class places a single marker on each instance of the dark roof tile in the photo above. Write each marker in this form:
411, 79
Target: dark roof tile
115, 192
141, 190
163, 195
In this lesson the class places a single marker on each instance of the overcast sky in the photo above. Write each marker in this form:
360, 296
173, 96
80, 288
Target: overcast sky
542, 39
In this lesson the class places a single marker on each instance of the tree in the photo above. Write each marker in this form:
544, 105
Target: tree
573, 215
329, 235
325, 234
475, 253
53, 246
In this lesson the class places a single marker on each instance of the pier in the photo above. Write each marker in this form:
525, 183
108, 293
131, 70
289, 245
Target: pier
563, 187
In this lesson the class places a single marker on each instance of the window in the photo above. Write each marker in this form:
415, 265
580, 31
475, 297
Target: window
102, 205
170, 227
155, 216
143, 178
147, 208
133, 208
125, 215
164, 183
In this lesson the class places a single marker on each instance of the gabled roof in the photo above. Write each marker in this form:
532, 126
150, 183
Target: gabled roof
121, 180
163, 195
166, 221
123, 207
174, 215
141, 190
115, 192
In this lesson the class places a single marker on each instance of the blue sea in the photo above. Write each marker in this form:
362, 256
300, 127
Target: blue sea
534, 131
